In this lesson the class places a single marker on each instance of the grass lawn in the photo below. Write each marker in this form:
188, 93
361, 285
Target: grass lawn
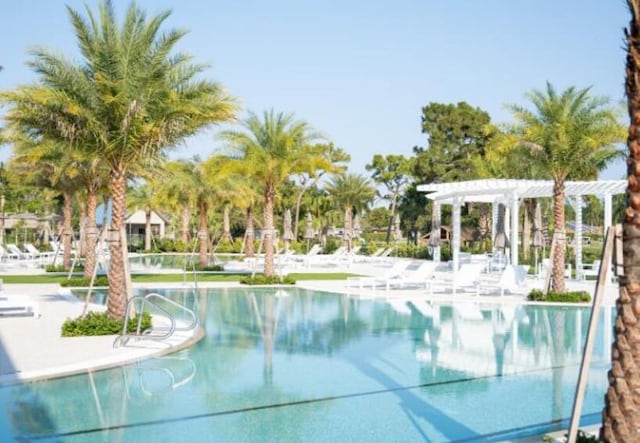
171, 278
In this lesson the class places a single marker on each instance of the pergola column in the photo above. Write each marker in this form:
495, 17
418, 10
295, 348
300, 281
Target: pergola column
455, 238
577, 204
514, 229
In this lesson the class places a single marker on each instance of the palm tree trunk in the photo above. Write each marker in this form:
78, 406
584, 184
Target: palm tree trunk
67, 231
203, 233
347, 227
226, 224
250, 233
557, 274
484, 221
185, 217
621, 415
147, 229
117, 300
91, 234
268, 232
83, 234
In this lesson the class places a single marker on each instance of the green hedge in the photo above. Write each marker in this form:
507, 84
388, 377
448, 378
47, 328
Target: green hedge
263, 280
83, 282
560, 297
208, 268
100, 323
79, 267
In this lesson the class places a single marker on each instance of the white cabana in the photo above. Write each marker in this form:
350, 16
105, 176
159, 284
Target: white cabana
509, 192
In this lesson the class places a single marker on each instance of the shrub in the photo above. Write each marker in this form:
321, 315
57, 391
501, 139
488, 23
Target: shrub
560, 297
331, 245
226, 247
581, 437
100, 323
101, 280
261, 279
55, 268
208, 268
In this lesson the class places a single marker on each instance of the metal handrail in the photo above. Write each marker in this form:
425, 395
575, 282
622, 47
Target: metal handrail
189, 312
148, 334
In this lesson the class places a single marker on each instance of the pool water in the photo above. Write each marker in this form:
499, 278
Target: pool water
175, 261
302, 366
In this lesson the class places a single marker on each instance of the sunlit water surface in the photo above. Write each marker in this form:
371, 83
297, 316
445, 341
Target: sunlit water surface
302, 366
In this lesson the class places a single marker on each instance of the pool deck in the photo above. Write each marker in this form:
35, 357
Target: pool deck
32, 348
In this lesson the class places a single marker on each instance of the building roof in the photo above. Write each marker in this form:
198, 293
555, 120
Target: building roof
489, 190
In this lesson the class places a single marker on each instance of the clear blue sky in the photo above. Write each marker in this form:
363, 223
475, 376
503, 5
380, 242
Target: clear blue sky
360, 71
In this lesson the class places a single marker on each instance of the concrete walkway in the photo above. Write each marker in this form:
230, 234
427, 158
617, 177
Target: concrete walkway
32, 348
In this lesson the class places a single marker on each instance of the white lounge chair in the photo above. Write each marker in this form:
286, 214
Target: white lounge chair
17, 305
382, 256
415, 274
468, 277
36, 253
512, 279
14, 249
423, 275
394, 272
7, 255
339, 256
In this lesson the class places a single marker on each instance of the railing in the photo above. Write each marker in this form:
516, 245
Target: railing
138, 304
158, 376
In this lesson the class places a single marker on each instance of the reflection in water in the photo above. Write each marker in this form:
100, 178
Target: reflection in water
394, 371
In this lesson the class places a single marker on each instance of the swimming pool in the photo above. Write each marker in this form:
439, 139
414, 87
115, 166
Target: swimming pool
295, 365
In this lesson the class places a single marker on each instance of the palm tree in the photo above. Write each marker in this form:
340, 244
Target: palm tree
572, 135
142, 195
218, 176
51, 164
334, 157
93, 176
192, 183
131, 96
272, 150
352, 193
178, 189
621, 416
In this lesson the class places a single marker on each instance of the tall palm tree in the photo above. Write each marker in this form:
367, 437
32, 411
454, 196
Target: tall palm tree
352, 193
621, 416
272, 148
93, 175
131, 95
572, 135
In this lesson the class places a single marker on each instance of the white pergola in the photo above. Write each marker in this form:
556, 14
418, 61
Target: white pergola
510, 192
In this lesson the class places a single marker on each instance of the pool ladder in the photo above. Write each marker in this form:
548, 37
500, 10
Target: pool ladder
138, 304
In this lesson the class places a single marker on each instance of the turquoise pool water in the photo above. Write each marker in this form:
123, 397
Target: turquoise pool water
150, 262
302, 366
